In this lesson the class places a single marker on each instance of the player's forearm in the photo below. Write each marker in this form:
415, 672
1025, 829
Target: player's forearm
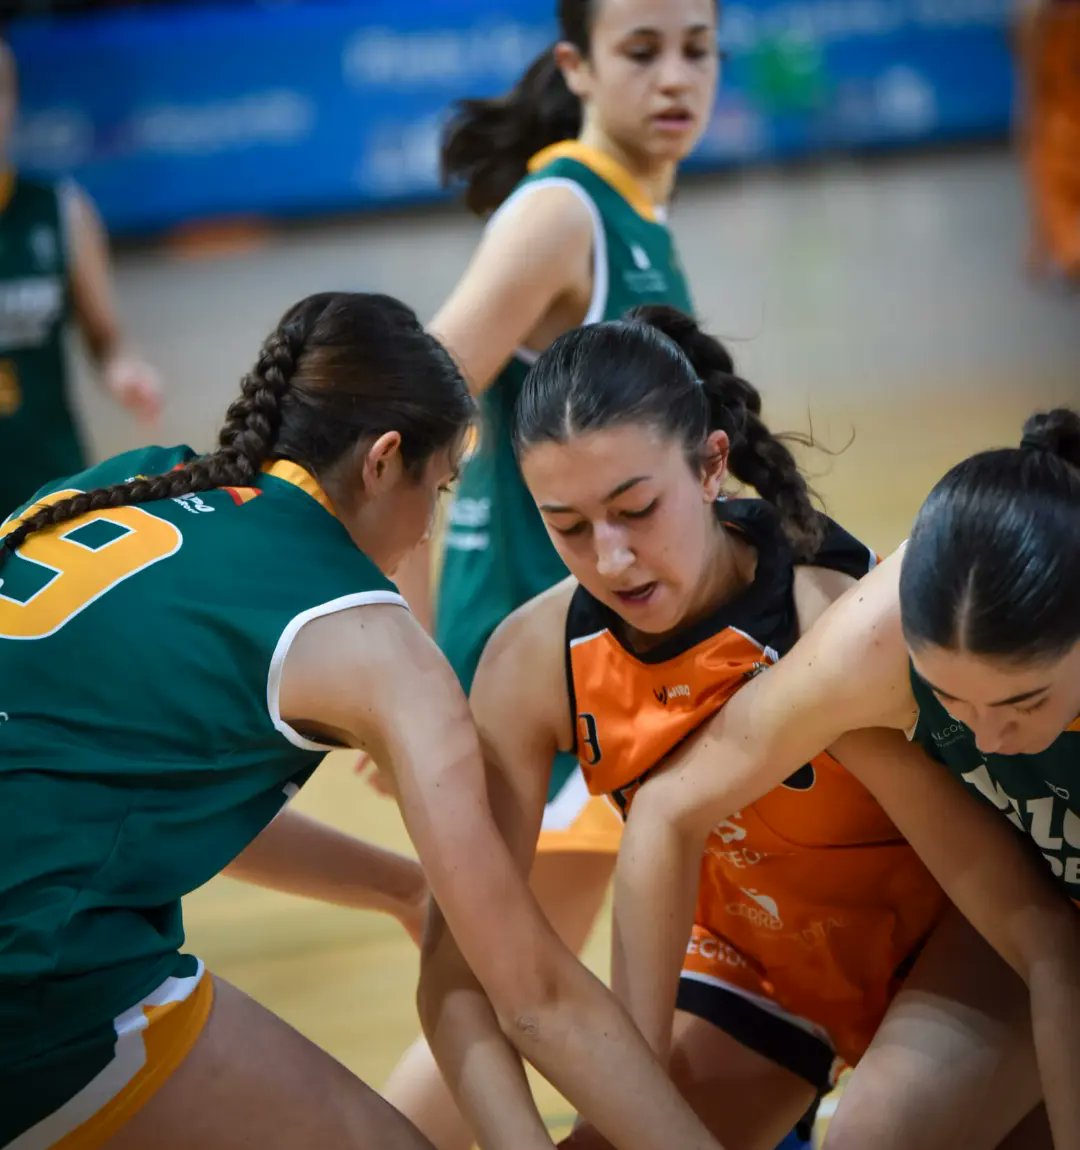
481, 1068
300, 855
1055, 1005
656, 881
585, 1044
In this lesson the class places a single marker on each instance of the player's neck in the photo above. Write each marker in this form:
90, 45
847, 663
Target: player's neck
656, 179
731, 568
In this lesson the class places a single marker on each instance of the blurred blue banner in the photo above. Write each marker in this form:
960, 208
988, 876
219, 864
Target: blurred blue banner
179, 113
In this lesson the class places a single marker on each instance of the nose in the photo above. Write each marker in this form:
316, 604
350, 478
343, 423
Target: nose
676, 72
992, 733
613, 557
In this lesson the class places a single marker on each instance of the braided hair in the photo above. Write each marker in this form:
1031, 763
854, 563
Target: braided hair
339, 368
658, 367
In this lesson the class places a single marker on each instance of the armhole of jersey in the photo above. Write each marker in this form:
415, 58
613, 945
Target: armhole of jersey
598, 302
285, 642
568, 667
581, 624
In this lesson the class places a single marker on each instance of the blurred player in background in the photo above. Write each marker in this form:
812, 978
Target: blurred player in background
54, 267
1049, 44
573, 171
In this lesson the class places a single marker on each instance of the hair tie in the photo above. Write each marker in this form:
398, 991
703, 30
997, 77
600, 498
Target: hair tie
1033, 441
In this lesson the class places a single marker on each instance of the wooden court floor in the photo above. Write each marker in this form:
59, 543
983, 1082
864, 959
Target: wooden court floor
878, 304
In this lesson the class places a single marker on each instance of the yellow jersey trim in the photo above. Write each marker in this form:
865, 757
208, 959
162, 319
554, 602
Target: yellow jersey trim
299, 477
606, 167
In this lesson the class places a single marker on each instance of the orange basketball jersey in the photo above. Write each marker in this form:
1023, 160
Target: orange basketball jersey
809, 899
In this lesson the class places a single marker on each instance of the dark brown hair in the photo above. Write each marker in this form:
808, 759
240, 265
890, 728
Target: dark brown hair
658, 367
993, 563
338, 369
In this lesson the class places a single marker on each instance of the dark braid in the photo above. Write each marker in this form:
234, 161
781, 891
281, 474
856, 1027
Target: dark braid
246, 441
757, 456
341, 368
658, 367
762, 459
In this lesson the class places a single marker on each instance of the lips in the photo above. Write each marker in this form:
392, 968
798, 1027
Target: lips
674, 118
636, 596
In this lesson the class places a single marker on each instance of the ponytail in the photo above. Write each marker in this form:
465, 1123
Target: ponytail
757, 457
487, 144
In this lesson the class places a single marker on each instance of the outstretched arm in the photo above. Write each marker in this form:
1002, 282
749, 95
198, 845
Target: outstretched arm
550, 1007
767, 730
129, 379
300, 855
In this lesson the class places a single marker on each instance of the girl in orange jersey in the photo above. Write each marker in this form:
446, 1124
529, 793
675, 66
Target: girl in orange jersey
812, 909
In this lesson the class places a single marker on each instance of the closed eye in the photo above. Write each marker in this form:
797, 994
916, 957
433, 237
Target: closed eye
643, 513
577, 529
1033, 708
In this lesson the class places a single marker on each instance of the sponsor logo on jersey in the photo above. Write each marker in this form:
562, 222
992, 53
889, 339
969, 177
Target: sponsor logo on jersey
679, 691
946, 736
765, 912
192, 503
1049, 821
29, 310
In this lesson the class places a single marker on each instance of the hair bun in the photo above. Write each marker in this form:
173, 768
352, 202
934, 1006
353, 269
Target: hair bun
1056, 432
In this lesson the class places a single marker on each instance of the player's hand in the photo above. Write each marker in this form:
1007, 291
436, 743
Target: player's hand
136, 385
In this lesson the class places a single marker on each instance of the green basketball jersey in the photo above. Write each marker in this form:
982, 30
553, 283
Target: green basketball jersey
38, 437
141, 745
1039, 794
497, 553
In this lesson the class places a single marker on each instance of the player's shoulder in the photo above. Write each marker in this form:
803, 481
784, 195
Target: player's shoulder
553, 208
853, 640
535, 629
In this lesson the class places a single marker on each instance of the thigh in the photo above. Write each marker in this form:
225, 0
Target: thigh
953, 1063
253, 1081
748, 1101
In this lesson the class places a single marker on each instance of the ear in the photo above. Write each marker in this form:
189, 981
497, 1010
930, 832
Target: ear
714, 468
381, 465
575, 68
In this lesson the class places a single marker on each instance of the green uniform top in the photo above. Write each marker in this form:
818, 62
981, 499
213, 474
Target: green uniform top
141, 745
1039, 794
497, 552
38, 437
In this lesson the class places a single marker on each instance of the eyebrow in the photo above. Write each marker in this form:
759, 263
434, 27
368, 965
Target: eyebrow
561, 509
646, 30
1023, 697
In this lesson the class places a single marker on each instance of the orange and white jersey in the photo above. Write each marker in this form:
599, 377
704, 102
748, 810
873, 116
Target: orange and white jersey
810, 900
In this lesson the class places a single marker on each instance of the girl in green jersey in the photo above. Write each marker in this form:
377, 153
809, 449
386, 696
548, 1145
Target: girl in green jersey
967, 640
182, 638
573, 172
